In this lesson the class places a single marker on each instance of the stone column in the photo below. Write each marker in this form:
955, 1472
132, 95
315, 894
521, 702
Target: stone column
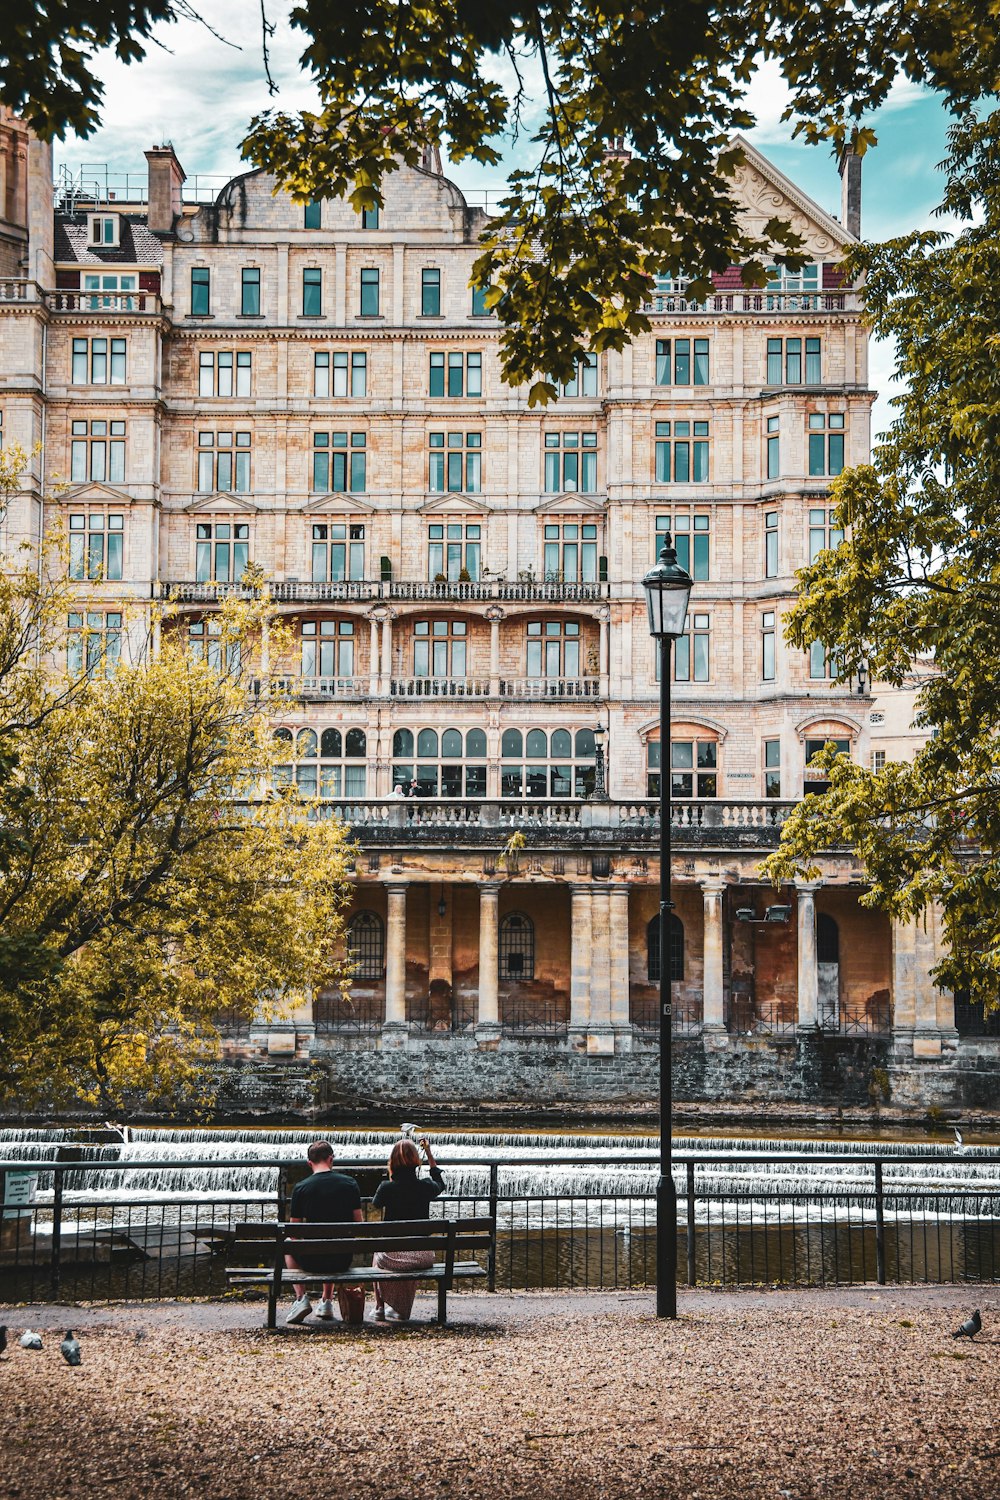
619, 949
713, 1014
923, 1016
494, 614
600, 1035
394, 1030
373, 684
488, 1012
386, 686
603, 643
581, 950
808, 971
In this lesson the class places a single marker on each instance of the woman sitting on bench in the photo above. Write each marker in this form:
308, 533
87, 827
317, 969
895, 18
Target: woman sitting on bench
404, 1196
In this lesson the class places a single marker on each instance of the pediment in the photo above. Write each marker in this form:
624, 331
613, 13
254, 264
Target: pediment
455, 505
766, 193
828, 724
220, 504
96, 494
572, 504
694, 722
337, 505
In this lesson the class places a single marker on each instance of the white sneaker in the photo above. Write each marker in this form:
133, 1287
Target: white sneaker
299, 1311
325, 1310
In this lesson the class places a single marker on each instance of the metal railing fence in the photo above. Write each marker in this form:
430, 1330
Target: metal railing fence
792, 1218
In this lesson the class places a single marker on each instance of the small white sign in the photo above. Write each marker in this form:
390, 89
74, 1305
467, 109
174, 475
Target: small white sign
19, 1190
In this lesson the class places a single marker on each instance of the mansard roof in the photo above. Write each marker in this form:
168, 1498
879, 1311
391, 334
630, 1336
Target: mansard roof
138, 245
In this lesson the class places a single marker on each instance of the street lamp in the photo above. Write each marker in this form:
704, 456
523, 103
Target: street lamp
668, 590
600, 782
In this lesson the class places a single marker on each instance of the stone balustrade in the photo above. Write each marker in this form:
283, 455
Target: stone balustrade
357, 590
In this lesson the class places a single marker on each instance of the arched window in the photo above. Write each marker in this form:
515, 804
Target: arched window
331, 747
512, 745
366, 945
355, 744
562, 743
451, 744
537, 747
427, 744
440, 770
305, 744
517, 947
676, 948
546, 766
827, 940
475, 744
330, 777
402, 742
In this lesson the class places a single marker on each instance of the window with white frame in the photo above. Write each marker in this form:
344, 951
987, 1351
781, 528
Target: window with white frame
691, 535
327, 763
571, 463
103, 229
785, 362
97, 451
773, 440
430, 292
455, 462
772, 768
767, 659
570, 551
823, 532
681, 455
878, 760
221, 551
339, 462
795, 290
455, 374
770, 544
110, 289
682, 361
96, 544
340, 373
584, 381
224, 462
312, 292
208, 641
328, 653
443, 763
225, 372
440, 648
823, 664
338, 551
826, 443
547, 763
93, 642
554, 648
98, 362
692, 650
454, 548
694, 768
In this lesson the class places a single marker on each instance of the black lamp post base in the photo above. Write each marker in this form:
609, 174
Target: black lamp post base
666, 1247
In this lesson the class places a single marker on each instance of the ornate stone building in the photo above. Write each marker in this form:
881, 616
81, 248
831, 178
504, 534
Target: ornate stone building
245, 380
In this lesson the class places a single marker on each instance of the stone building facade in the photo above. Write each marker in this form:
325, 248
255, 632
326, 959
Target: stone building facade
253, 381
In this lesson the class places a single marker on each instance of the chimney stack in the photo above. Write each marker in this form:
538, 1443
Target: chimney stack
850, 191
166, 178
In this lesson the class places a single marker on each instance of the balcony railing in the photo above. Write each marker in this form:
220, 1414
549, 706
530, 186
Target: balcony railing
708, 814
357, 590
439, 687
103, 302
17, 289
550, 687
673, 303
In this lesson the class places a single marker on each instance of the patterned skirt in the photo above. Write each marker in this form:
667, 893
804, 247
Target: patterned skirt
399, 1295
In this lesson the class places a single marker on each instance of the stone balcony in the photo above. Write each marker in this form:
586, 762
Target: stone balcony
568, 822
753, 301
332, 689
363, 591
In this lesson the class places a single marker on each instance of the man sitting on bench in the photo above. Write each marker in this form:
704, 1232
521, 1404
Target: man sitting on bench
327, 1197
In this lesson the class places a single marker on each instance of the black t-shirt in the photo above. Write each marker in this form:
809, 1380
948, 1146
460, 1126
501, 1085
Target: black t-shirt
407, 1196
324, 1198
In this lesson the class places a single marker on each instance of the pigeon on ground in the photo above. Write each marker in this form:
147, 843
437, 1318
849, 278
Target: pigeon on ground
970, 1327
31, 1340
70, 1349
3, 1337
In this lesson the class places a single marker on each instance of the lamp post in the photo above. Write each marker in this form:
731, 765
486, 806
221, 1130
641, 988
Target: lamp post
600, 781
668, 590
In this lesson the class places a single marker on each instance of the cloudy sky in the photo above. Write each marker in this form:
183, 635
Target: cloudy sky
200, 92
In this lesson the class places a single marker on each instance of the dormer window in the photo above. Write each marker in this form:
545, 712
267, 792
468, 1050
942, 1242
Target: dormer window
104, 229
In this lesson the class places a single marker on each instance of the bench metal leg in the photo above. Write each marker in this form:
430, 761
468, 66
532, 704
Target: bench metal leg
272, 1302
442, 1316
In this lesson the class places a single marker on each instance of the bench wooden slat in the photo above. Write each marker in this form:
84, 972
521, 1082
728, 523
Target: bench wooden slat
260, 1274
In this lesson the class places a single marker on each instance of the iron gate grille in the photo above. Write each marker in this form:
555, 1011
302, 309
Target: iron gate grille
366, 945
517, 947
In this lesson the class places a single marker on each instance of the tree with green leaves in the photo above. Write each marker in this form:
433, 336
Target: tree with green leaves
148, 879
571, 255
918, 579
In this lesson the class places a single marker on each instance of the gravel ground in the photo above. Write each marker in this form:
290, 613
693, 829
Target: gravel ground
855, 1392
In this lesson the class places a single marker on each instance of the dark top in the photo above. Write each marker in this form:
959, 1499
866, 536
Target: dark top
407, 1196
324, 1198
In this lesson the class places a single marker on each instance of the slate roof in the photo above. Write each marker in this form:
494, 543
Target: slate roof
139, 246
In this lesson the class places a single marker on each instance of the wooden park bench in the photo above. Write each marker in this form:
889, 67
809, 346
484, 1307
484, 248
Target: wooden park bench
261, 1250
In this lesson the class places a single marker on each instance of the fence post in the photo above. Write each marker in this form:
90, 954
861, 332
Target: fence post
491, 1260
692, 1273
55, 1268
879, 1226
